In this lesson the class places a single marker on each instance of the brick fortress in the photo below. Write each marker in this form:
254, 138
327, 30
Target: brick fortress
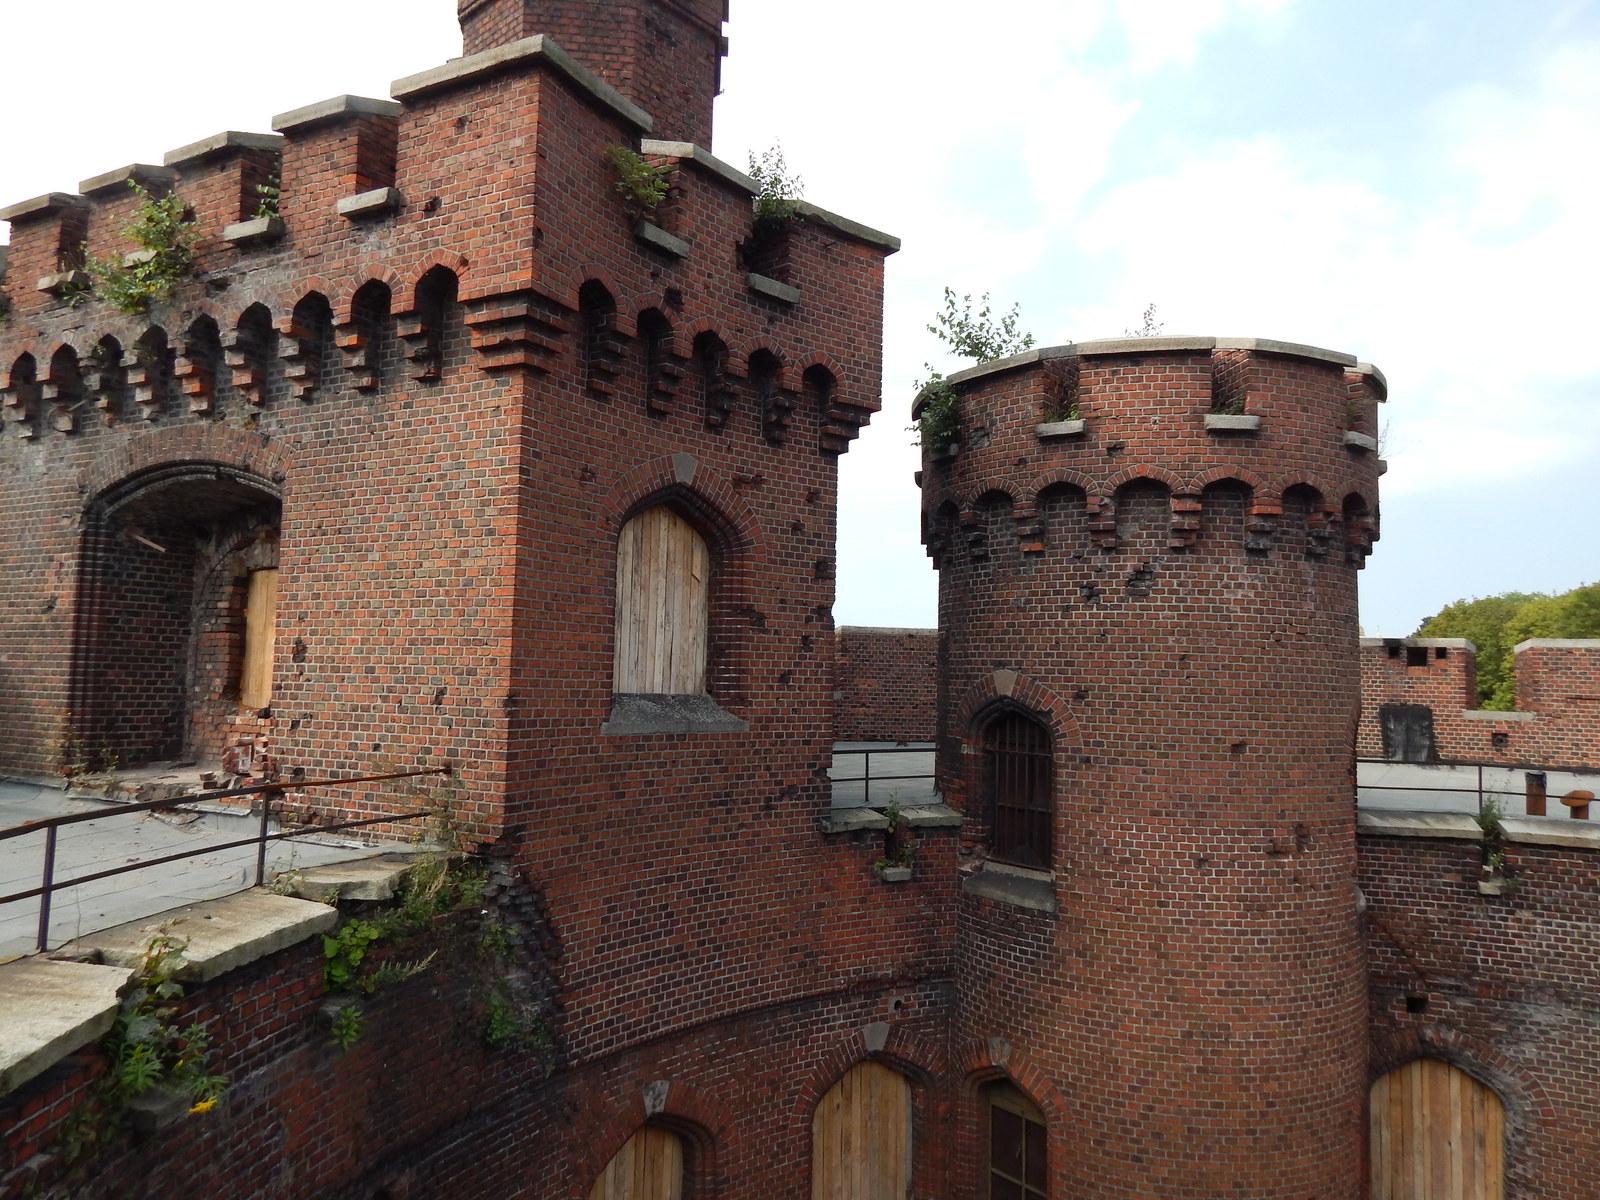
451, 459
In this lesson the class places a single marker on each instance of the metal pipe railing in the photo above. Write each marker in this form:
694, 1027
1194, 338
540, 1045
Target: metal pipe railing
50, 826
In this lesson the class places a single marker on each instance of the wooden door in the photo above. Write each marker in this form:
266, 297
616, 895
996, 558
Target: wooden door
663, 605
861, 1137
648, 1167
1437, 1134
260, 631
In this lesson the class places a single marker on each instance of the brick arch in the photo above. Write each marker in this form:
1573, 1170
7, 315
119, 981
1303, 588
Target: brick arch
684, 475
818, 359
921, 1060
1316, 483
693, 1113
1525, 1103
342, 297
1146, 472
749, 347
450, 260
176, 445
679, 344
628, 305
1007, 485
990, 1060
314, 286
1219, 474
1060, 478
1016, 689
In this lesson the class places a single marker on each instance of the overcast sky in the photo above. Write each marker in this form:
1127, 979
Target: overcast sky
1414, 183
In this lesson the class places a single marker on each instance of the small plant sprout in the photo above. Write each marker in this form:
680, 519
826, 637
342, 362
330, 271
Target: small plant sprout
642, 184
1148, 325
164, 231
778, 190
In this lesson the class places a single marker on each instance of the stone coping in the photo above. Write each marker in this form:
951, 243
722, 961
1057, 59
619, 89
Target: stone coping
334, 109
884, 629
221, 934
41, 206
1162, 345
1495, 714
145, 175
219, 143
635, 713
1557, 644
1524, 831
1447, 643
51, 1009
522, 55
728, 173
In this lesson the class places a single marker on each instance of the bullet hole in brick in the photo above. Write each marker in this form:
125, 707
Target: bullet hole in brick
786, 679
1115, 448
899, 1005
1142, 581
298, 772
1090, 592
50, 605
1238, 746
432, 204
823, 615
757, 618
376, 746
298, 654
813, 496
587, 475
1081, 694
673, 297
438, 696
1302, 838
797, 526
823, 569
807, 642
462, 123
1416, 1004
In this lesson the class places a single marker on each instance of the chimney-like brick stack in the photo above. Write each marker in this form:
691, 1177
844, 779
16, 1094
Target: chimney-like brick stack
664, 55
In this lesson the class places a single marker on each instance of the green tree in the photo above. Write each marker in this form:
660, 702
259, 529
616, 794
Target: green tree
1496, 624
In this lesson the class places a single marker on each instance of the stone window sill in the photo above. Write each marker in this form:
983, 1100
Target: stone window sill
774, 290
1015, 886
379, 202
922, 816
659, 239
1232, 422
1061, 429
635, 713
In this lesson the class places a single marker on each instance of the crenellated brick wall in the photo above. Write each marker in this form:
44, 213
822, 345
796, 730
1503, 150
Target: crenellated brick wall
1556, 722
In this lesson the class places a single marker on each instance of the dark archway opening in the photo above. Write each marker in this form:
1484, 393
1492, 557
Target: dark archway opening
173, 660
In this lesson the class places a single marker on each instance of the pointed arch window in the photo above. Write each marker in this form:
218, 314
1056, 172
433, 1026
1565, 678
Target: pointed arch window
1018, 1154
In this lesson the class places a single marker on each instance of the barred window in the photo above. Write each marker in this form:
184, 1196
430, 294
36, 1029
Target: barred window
1020, 786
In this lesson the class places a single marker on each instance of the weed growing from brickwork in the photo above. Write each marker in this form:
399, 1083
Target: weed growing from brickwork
1148, 325
980, 336
146, 1052
269, 196
778, 190
164, 230
642, 184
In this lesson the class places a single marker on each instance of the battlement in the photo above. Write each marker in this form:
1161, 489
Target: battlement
1288, 431
1420, 703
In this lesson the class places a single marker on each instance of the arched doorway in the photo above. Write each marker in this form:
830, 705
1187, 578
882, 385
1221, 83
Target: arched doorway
174, 646
652, 1165
861, 1137
1436, 1134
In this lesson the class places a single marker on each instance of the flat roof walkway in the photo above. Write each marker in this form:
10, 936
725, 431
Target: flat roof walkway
97, 845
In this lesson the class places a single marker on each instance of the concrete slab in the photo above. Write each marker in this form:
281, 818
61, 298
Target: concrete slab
367, 879
50, 1009
222, 934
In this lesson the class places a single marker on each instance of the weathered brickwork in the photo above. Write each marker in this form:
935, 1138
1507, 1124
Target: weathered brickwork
1177, 607
886, 684
1503, 987
1556, 722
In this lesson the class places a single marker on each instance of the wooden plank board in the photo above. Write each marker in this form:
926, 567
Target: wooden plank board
260, 633
861, 1137
648, 1167
663, 605
1436, 1133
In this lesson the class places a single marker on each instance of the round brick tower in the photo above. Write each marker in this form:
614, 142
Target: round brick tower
1148, 695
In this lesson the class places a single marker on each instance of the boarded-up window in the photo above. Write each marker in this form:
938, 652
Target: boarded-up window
260, 626
861, 1137
650, 1166
1436, 1134
1407, 733
663, 598
1018, 1161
